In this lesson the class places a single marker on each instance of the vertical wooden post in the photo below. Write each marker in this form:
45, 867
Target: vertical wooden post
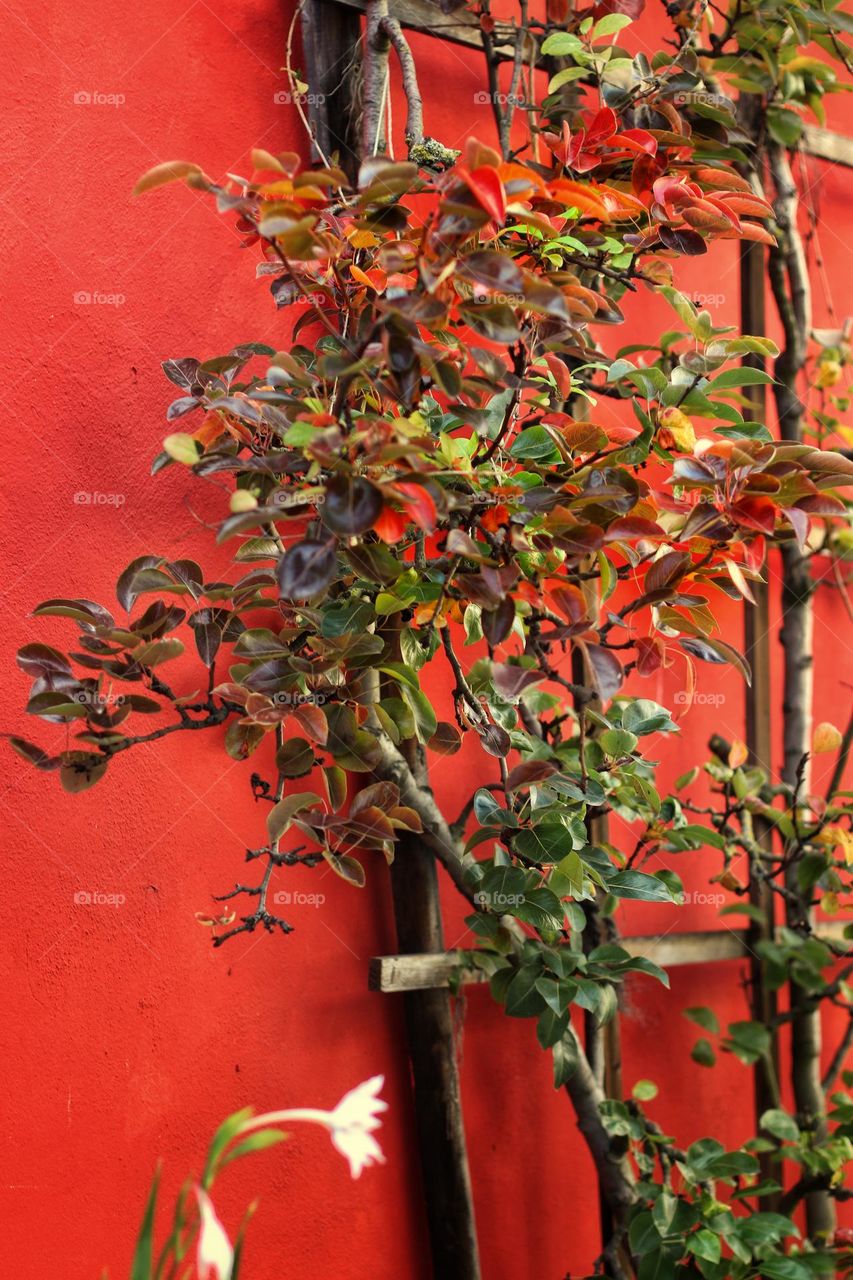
331, 44
435, 1073
759, 736
331, 37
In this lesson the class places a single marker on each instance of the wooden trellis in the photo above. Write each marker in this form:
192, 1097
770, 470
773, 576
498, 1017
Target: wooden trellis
423, 970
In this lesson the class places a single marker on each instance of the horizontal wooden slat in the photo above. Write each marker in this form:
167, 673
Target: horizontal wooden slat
414, 973
419, 15
827, 145
417, 972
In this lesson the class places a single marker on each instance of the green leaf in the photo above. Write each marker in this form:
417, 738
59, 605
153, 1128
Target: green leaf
551, 1027
610, 25
780, 1124
703, 1053
782, 1268
404, 675
143, 1254
749, 345
565, 1054
703, 1017
741, 377
535, 444
639, 886
643, 716
561, 43
761, 1229
226, 1132
682, 306
522, 997
571, 871
733, 1164
486, 808
660, 1264
785, 126
617, 742
239, 1240
426, 721
643, 1235
748, 1040
567, 76
539, 907
547, 842
257, 1141
704, 1244
644, 1090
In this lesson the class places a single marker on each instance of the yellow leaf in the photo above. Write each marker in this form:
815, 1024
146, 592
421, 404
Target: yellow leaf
826, 738
838, 838
828, 373
676, 430
242, 500
262, 159
181, 448
738, 754
729, 881
170, 171
360, 239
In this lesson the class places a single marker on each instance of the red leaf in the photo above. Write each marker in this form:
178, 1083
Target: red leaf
570, 601
635, 140
419, 505
633, 527
631, 8
488, 188
664, 573
754, 553
529, 771
755, 513
312, 722
560, 374
606, 670
601, 127
390, 525
649, 656
446, 740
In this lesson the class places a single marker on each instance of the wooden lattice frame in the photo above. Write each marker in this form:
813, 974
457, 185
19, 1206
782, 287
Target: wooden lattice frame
423, 970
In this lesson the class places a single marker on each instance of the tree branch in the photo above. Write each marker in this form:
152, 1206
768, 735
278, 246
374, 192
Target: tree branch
415, 116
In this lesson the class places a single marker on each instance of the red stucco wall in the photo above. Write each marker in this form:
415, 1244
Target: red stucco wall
123, 1036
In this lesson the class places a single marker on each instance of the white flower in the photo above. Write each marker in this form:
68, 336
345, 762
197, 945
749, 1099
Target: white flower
351, 1124
215, 1256
353, 1121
